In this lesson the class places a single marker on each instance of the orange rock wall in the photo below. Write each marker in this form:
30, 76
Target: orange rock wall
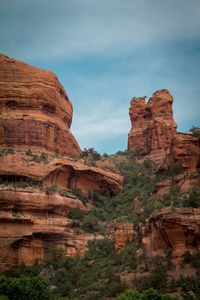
178, 229
32, 222
35, 110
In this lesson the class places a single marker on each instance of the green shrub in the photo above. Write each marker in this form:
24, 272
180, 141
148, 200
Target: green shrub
51, 189
76, 213
4, 151
42, 158
175, 169
149, 294
25, 288
29, 152
91, 154
93, 195
192, 199
79, 194
3, 297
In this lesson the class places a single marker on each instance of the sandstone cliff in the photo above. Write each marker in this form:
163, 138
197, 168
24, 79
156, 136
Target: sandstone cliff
153, 126
32, 222
35, 118
35, 110
178, 230
184, 148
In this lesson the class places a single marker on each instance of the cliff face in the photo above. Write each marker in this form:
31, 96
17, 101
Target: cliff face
178, 230
153, 126
36, 114
35, 110
32, 222
63, 172
187, 149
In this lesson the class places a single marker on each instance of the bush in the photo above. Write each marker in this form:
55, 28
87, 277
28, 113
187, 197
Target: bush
193, 198
76, 213
51, 189
149, 294
29, 152
90, 154
4, 151
93, 195
79, 194
174, 169
42, 158
25, 288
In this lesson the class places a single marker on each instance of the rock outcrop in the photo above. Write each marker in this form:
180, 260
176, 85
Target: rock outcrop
153, 126
35, 110
185, 149
178, 230
122, 234
64, 172
32, 222
182, 182
35, 119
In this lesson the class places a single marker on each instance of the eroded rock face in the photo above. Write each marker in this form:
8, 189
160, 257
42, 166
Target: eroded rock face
153, 126
187, 149
178, 230
35, 110
32, 222
121, 233
182, 182
65, 173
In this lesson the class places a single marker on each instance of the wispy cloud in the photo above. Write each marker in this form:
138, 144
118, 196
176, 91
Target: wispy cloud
74, 28
105, 52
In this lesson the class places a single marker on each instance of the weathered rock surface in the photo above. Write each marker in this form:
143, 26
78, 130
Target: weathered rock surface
65, 173
121, 233
32, 222
183, 182
36, 114
35, 110
184, 148
178, 229
153, 126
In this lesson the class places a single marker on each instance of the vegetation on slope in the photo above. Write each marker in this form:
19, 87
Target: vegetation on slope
102, 272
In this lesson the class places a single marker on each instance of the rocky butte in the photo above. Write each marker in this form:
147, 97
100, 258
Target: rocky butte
153, 126
35, 110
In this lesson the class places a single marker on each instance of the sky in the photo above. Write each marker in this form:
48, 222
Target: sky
105, 52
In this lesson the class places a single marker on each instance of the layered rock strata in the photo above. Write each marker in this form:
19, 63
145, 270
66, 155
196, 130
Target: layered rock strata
185, 149
32, 222
153, 126
178, 230
64, 172
35, 115
35, 110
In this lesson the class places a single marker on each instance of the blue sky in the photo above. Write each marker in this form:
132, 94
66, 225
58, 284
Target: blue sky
105, 52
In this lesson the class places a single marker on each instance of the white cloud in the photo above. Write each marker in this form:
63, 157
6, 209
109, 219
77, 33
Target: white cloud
74, 28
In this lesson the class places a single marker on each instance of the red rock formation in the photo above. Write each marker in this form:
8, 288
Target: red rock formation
178, 229
187, 149
65, 173
32, 222
35, 110
36, 114
153, 126
121, 233
183, 182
